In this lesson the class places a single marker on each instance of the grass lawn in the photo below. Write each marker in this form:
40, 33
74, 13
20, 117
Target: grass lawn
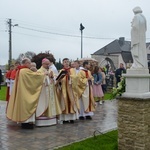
3, 93
108, 141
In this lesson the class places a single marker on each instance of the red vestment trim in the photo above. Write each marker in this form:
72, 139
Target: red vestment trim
8, 74
13, 74
86, 73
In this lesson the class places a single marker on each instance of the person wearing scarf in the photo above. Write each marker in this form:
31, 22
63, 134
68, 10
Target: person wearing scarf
25, 95
85, 92
66, 90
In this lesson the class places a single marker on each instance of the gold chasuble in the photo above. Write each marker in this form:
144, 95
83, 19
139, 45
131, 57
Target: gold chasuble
85, 90
68, 92
25, 94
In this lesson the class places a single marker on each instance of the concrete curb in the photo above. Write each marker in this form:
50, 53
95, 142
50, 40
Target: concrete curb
55, 148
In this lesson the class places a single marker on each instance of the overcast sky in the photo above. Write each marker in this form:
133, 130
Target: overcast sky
42, 21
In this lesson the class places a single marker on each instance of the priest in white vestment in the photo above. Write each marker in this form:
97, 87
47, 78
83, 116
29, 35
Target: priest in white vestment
48, 105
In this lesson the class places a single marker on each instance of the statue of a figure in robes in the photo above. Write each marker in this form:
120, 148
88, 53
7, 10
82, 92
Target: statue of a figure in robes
138, 40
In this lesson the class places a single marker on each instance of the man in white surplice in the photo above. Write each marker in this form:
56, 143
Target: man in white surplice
52, 66
48, 105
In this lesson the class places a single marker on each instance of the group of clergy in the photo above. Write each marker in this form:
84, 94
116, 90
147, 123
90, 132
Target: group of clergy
43, 96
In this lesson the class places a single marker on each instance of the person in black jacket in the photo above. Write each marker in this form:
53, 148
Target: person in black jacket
118, 73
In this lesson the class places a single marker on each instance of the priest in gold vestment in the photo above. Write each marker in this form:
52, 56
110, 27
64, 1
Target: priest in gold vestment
67, 92
25, 95
87, 103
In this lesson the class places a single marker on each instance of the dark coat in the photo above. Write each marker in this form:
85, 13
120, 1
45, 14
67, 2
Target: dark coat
118, 74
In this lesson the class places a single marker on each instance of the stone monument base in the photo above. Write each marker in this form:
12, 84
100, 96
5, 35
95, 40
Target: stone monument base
134, 111
133, 124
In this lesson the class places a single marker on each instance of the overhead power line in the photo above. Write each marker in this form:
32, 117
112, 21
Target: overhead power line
41, 30
41, 26
48, 32
60, 34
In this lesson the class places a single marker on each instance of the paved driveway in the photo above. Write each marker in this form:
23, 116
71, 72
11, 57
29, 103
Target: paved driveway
12, 137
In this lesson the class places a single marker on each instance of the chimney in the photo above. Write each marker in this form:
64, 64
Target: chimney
121, 41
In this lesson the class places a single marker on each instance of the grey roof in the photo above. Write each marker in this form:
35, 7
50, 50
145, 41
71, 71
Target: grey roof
116, 46
127, 57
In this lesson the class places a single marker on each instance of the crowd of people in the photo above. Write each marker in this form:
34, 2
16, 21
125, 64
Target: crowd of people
46, 96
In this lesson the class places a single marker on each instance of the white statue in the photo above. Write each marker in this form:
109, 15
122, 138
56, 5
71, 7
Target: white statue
138, 40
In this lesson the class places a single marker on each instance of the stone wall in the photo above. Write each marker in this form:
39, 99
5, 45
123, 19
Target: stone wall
133, 124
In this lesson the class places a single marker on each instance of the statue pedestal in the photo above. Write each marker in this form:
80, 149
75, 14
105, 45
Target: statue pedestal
137, 83
134, 112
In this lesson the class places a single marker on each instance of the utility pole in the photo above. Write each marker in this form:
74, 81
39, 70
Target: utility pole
9, 22
10, 45
81, 29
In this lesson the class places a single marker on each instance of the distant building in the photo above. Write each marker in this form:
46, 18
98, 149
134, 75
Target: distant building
116, 52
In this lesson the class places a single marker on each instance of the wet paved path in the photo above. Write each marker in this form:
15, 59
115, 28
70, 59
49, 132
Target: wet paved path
12, 137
